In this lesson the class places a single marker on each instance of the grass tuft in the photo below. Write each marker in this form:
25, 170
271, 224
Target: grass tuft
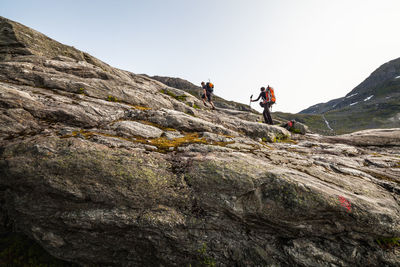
112, 98
388, 242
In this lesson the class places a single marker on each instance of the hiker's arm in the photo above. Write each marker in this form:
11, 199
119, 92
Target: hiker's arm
256, 99
205, 93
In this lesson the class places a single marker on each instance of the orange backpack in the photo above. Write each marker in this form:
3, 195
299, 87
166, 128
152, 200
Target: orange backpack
270, 95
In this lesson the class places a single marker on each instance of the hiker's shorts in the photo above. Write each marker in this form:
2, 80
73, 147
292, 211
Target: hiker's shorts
208, 97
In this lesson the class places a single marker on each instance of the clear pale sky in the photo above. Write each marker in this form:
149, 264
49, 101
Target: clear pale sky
310, 51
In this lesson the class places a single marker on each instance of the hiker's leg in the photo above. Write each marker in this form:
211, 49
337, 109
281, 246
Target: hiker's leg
203, 97
209, 96
212, 104
269, 116
265, 115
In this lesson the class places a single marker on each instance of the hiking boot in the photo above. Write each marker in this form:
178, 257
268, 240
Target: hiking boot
205, 104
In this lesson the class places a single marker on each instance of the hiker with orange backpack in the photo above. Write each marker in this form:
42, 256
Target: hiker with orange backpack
268, 99
208, 89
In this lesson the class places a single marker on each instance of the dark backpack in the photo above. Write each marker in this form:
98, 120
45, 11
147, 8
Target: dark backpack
210, 87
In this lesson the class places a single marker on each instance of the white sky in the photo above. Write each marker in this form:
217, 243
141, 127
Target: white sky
310, 51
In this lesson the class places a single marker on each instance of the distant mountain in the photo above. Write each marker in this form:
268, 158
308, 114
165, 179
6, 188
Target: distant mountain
375, 103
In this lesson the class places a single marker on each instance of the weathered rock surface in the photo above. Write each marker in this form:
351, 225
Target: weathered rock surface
374, 137
133, 128
103, 167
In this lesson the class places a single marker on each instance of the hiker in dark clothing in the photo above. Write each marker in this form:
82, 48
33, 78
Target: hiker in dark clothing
207, 93
266, 105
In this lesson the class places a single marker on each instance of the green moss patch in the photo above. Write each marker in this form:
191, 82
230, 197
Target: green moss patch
203, 257
388, 242
81, 91
195, 106
112, 98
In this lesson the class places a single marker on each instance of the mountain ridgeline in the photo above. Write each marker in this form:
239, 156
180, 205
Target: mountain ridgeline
103, 167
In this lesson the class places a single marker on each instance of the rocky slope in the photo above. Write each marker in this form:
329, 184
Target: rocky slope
104, 167
197, 92
375, 103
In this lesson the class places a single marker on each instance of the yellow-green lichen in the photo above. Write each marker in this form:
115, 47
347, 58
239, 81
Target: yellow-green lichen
140, 107
162, 143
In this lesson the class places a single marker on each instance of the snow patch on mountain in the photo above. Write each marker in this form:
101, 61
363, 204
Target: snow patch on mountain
327, 123
368, 98
351, 95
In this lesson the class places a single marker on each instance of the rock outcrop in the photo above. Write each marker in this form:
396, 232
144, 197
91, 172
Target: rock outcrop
104, 167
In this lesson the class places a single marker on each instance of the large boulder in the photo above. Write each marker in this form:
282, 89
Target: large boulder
103, 167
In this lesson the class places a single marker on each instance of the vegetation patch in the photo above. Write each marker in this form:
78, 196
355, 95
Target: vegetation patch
264, 143
296, 131
288, 141
140, 107
195, 106
162, 143
19, 250
81, 91
280, 138
203, 257
112, 98
171, 94
388, 242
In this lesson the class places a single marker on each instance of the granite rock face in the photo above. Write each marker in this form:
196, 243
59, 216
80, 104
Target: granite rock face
105, 167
